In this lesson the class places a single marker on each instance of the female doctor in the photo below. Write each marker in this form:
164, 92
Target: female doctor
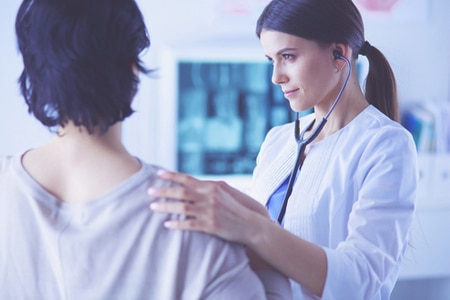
336, 190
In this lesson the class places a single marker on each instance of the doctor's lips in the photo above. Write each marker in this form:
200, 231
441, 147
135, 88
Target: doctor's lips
289, 92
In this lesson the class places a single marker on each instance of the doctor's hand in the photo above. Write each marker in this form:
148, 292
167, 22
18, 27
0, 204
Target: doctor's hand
210, 206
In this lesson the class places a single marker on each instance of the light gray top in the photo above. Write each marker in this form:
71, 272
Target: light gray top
113, 247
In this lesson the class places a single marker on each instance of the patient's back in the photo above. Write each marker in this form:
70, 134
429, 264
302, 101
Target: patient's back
112, 247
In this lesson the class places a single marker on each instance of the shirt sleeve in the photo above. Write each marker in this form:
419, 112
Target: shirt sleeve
378, 228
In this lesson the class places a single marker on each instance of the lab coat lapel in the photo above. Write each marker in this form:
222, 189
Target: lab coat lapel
275, 171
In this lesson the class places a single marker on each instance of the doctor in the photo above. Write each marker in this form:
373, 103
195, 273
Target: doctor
349, 200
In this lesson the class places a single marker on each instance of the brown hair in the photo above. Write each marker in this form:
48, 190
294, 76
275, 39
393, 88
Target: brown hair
335, 21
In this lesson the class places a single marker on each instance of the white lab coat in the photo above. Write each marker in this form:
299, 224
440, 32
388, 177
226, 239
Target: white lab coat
355, 197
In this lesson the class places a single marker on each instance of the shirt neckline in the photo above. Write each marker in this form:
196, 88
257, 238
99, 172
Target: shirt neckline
47, 198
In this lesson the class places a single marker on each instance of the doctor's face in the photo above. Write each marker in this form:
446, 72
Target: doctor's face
305, 71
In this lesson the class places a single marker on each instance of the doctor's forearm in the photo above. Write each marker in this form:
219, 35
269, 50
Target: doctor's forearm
296, 258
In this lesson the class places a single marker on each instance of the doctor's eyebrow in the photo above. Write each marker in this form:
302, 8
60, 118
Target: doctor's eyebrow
281, 52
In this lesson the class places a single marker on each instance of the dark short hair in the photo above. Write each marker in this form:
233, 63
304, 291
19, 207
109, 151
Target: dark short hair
78, 60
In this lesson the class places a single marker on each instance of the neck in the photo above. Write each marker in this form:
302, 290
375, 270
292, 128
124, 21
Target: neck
78, 138
351, 103
76, 166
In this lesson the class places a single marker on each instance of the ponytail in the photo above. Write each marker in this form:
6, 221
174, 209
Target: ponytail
381, 88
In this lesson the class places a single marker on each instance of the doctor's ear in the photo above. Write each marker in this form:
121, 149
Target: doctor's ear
339, 51
337, 54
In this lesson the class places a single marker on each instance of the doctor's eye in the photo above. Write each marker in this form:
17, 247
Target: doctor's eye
287, 56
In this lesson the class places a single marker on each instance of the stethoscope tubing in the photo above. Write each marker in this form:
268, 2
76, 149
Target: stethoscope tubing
302, 143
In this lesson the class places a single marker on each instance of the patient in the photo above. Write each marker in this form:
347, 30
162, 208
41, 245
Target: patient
74, 218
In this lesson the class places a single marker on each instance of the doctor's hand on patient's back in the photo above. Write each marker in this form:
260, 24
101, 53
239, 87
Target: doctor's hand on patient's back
209, 206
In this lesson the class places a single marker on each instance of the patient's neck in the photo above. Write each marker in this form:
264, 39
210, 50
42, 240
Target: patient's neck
76, 166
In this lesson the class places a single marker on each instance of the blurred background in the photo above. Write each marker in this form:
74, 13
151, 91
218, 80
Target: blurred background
208, 107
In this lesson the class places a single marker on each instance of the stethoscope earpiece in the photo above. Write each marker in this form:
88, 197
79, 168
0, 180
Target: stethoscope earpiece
337, 55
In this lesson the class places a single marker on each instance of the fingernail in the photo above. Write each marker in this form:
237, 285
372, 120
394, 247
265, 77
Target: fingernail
168, 224
151, 191
162, 172
154, 205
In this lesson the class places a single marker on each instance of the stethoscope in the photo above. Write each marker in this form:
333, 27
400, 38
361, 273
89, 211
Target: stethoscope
302, 143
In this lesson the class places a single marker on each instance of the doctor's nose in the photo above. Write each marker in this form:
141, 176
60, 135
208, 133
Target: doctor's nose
277, 76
